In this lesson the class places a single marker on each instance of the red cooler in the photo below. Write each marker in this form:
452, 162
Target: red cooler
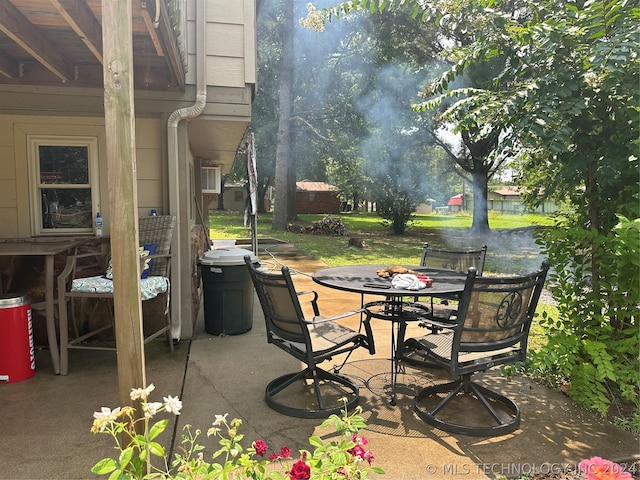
17, 355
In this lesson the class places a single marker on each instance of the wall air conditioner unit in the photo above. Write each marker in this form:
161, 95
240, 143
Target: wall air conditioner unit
211, 179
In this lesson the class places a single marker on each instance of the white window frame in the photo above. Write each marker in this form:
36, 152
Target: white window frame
33, 144
210, 179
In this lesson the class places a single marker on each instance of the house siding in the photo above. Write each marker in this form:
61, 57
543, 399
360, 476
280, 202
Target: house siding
15, 199
317, 202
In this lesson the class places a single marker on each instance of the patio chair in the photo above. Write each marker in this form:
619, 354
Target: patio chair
319, 393
491, 328
455, 260
155, 234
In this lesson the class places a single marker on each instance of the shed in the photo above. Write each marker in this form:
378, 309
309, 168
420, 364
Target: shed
317, 197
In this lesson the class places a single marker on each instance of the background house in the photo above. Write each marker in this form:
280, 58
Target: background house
508, 199
456, 203
192, 60
316, 197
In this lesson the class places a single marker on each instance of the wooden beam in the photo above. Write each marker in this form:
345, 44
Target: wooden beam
150, 24
17, 27
117, 39
8, 66
82, 20
172, 53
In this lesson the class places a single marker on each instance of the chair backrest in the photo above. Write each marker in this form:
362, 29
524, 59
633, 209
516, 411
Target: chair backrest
457, 260
280, 305
157, 230
494, 317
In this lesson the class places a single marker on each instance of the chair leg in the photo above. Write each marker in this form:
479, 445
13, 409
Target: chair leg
64, 333
494, 403
316, 376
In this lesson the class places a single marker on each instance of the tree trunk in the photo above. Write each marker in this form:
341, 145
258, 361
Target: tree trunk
221, 195
283, 152
480, 223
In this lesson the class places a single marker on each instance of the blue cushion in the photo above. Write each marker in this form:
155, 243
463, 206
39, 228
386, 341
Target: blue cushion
143, 251
151, 248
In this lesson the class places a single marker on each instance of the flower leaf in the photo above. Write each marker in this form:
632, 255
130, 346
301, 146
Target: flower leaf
315, 441
125, 457
158, 428
156, 449
104, 466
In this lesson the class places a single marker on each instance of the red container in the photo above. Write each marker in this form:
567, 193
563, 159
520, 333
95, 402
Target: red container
17, 355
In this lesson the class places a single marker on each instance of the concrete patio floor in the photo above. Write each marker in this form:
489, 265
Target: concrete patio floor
46, 420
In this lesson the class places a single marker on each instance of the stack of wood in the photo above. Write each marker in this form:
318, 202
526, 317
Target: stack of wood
326, 226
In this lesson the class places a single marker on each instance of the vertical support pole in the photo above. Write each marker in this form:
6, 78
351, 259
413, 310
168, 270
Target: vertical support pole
123, 200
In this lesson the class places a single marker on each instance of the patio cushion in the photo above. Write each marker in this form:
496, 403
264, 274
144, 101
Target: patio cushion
150, 287
143, 251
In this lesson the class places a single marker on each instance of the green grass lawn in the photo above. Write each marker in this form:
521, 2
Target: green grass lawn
507, 252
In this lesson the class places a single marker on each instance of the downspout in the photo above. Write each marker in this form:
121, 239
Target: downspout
177, 176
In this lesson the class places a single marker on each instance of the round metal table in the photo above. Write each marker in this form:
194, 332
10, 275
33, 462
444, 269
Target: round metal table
363, 279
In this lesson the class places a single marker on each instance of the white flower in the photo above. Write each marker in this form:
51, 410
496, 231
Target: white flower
220, 419
172, 404
150, 409
142, 393
104, 417
106, 413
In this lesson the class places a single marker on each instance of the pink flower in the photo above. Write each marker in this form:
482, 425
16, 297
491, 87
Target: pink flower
597, 468
260, 447
358, 440
300, 471
358, 450
285, 452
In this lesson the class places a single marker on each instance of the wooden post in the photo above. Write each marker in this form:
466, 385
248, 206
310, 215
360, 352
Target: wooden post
123, 200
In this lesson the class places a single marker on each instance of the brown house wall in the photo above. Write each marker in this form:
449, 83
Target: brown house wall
317, 202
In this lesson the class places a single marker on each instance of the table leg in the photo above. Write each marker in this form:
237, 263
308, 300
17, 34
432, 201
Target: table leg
394, 365
50, 315
397, 343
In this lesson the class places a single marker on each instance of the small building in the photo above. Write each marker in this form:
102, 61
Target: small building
456, 203
508, 199
235, 197
316, 197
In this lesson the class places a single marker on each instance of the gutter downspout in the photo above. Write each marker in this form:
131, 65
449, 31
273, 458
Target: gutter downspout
177, 176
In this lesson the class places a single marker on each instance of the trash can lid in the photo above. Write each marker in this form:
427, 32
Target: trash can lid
13, 300
227, 256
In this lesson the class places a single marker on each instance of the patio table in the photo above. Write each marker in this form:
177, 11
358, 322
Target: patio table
363, 279
48, 250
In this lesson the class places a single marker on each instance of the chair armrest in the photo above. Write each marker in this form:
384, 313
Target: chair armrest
65, 277
313, 301
68, 274
318, 319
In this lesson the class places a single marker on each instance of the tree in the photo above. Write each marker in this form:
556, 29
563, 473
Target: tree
285, 166
453, 26
567, 101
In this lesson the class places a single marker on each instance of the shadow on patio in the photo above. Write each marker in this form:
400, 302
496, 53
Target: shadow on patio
46, 420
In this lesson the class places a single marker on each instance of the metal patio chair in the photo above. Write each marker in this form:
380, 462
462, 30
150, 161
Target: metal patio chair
320, 392
155, 234
455, 260
491, 328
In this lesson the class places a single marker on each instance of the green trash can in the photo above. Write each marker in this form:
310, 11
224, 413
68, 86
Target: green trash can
227, 291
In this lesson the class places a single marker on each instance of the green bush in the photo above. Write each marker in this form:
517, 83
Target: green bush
594, 343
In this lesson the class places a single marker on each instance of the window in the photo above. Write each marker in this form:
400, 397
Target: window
210, 179
64, 183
